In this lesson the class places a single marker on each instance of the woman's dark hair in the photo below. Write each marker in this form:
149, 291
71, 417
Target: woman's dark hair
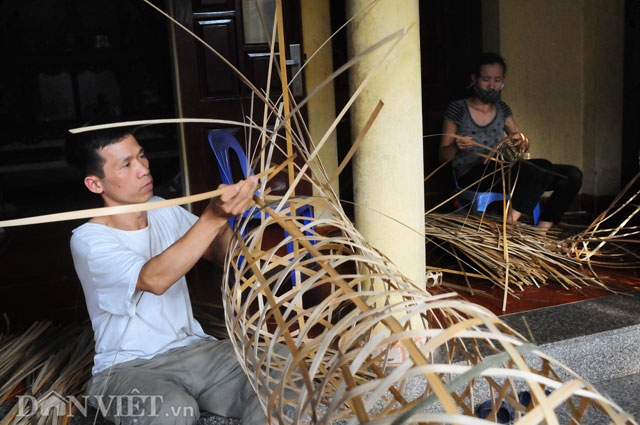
488, 58
81, 149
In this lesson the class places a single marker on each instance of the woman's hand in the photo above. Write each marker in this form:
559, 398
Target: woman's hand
519, 139
464, 142
451, 144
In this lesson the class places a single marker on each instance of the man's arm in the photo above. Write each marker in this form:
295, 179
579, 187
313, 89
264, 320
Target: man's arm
210, 234
218, 248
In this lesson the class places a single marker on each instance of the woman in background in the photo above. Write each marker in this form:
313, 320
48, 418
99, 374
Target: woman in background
483, 119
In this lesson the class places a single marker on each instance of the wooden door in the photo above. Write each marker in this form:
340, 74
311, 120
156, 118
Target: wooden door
450, 40
209, 88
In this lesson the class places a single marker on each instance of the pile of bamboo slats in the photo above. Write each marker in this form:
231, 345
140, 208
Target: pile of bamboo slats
522, 256
44, 360
48, 360
516, 256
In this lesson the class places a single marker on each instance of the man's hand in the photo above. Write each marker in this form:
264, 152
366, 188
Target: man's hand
464, 142
208, 237
234, 201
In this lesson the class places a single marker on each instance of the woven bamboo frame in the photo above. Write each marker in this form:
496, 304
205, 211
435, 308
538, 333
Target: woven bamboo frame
325, 361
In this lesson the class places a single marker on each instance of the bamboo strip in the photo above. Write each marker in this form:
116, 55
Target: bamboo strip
126, 209
356, 143
285, 86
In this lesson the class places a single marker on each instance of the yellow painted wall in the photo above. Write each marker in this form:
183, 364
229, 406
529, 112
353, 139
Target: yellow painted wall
603, 91
564, 81
544, 77
316, 29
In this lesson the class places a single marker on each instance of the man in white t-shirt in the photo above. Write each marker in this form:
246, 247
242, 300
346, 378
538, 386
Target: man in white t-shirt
153, 362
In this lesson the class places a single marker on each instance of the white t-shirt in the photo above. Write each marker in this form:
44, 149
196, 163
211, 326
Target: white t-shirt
130, 324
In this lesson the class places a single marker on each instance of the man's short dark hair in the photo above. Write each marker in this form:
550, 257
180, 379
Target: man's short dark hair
82, 148
489, 58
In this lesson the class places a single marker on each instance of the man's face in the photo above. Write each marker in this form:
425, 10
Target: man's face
127, 179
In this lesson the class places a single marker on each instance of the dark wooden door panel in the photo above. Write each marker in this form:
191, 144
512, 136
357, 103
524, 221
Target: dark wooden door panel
215, 3
210, 89
450, 40
217, 78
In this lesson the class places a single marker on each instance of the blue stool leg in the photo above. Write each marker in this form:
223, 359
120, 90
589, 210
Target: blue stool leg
306, 211
536, 213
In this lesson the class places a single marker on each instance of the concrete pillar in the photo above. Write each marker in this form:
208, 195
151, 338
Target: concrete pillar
388, 167
316, 29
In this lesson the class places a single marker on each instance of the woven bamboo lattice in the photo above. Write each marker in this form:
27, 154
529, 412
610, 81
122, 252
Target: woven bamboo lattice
315, 326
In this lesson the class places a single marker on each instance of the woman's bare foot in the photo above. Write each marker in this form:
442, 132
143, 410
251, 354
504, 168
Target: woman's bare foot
513, 216
543, 227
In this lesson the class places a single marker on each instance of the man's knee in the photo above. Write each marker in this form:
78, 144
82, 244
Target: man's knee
177, 408
172, 408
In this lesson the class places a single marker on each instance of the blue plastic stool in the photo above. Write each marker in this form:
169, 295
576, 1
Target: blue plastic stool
481, 200
221, 142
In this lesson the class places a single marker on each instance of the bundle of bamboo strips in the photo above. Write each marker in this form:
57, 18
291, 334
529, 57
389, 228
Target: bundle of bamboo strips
48, 358
43, 360
518, 255
532, 259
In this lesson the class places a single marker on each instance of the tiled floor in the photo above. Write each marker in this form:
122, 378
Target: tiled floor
549, 294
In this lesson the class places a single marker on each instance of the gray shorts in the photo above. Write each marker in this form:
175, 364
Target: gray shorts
173, 387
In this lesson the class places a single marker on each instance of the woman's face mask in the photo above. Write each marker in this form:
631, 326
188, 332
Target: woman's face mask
487, 96
488, 85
